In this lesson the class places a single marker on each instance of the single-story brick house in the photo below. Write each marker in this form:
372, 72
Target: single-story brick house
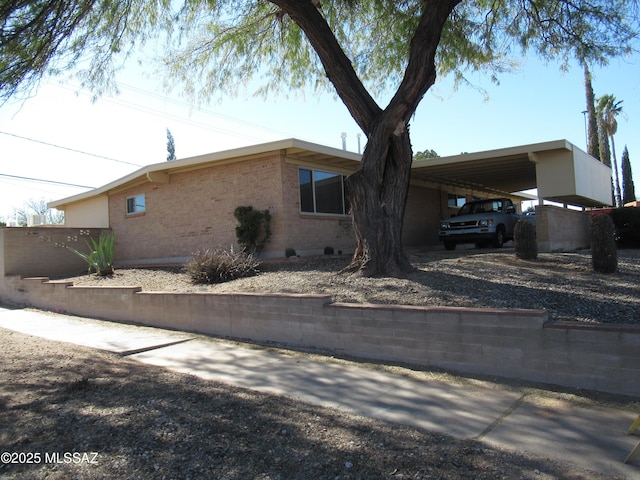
165, 212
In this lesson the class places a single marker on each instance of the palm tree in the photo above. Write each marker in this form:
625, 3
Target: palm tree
608, 109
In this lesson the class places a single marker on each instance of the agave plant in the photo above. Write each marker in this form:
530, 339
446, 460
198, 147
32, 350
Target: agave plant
100, 256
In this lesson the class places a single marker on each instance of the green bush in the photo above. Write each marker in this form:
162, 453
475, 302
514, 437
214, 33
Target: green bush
604, 253
218, 266
627, 223
100, 256
524, 238
253, 229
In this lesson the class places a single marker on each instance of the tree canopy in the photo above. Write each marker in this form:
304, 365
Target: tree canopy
360, 49
217, 46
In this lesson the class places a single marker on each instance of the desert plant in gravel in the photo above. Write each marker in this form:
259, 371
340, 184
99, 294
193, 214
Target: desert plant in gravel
604, 253
218, 266
100, 255
524, 238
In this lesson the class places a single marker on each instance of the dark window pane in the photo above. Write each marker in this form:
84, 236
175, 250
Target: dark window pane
306, 191
328, 192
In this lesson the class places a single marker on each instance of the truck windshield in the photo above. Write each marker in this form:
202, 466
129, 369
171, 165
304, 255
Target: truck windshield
481, 207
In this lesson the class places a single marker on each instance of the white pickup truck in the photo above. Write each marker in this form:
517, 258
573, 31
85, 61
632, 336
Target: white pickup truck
483, 222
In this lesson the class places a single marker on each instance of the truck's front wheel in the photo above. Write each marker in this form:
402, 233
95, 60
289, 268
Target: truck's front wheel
498, 240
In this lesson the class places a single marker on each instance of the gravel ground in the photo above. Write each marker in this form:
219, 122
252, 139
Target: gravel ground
562, 283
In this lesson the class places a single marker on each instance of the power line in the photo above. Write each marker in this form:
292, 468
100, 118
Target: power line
52, 182
188, 121
69, 149
203, 110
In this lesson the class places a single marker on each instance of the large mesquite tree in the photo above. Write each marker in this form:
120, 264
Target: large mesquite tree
359, 48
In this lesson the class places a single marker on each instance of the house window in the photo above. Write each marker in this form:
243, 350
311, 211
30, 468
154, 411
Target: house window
135, 204
322, 192
456, 201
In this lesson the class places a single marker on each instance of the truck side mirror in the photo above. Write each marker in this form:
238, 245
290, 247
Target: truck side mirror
511, 209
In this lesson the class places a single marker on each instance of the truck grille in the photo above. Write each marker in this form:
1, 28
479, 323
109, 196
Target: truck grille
470, 223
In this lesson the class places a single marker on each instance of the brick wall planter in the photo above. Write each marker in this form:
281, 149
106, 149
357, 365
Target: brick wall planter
519, 344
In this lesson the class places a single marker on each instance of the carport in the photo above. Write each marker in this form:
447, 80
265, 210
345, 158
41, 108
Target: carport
557, 171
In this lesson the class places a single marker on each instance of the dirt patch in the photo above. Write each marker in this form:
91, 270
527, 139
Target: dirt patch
85, 414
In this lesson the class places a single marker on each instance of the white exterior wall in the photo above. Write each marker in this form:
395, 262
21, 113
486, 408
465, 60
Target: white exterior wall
90, 213
570, 174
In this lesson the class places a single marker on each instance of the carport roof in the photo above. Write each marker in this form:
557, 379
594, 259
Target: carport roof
503, 171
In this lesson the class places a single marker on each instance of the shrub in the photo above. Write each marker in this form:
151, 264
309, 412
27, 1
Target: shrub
627, 223
253, 229
290, 252
328, 250
604, 253
524, 238
100, 256
218, 266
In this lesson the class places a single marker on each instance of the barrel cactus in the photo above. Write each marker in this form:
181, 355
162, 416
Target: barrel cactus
524, 238
604, 253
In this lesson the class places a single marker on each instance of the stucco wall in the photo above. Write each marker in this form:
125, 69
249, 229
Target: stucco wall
567, 174
509, 343
91, 213
561, 229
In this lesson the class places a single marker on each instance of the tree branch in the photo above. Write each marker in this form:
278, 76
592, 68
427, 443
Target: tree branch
337, 65
420, 73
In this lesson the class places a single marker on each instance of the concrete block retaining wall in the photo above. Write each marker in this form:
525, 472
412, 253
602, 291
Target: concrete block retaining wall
509, 343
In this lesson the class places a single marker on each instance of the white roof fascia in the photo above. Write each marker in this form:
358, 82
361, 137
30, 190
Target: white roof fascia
497, 153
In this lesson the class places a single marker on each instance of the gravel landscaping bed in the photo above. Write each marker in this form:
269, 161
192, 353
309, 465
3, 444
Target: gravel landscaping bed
562, 283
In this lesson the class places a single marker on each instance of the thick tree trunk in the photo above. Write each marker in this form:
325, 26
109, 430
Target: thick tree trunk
378, 190
378, 196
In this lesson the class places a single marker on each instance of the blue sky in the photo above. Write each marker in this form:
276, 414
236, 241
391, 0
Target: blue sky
536, 103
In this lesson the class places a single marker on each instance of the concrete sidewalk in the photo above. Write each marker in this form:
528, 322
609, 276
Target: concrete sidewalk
593, 438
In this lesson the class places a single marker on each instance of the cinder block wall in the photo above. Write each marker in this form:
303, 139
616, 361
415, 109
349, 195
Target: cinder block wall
562, 230
43, 250
509, 343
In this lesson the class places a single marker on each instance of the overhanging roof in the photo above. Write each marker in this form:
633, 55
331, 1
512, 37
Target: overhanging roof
502, 171
299, 150
558, 169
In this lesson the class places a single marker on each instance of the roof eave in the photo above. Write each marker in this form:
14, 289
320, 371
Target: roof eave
147, 172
